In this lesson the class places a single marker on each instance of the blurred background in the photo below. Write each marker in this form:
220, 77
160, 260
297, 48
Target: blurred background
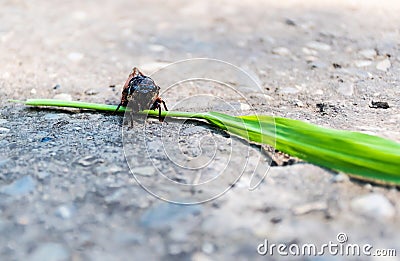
89, 46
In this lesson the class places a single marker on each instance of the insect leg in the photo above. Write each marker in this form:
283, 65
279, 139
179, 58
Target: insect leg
119, 105
161, 119
136, 72
155, 105
131, 114
165, 106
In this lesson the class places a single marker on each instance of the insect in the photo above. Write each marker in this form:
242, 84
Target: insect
141, 93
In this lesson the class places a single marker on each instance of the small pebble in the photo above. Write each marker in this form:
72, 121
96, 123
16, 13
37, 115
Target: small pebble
308, 207
167, 214
128, 238
384, 65
241, 43
369, 54
193, 130
362, 63
56, 87
208, 248
33, 91
368, 186
46, 139
23, 220
310, 58
379, 105
299, 103
339, 178
308, 26
288, 90
64, 212
179, 234
175, 249
318, 92
79, 15
3, 162
42, 175
309, 52
244, 107
318, 64
261, 96
75, 57
290, 22
50, 252
276, 220
115, 197
63, 96
319, 46
90, 160
144, 171
198, 256
91, 92
19, 187
346, 89
157, 48
6, 75
373, 205
283, 51
52, 116
4, 130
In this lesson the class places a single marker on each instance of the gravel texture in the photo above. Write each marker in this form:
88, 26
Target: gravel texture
67, 191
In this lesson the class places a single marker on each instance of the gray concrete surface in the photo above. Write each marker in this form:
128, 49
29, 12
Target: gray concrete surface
66, 188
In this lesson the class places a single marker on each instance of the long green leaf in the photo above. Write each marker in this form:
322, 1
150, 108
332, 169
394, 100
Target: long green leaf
362, 155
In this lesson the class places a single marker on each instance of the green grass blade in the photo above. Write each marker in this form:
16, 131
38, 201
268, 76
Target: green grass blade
365, 156
370, 156
70, 104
